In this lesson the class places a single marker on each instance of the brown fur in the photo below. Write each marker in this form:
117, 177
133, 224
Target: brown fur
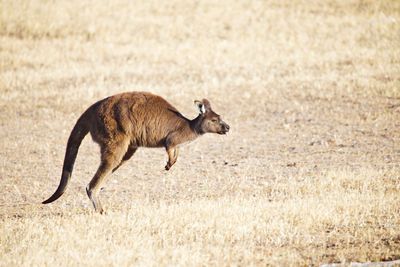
122, 123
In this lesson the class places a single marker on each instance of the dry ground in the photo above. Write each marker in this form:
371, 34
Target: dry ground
308, 175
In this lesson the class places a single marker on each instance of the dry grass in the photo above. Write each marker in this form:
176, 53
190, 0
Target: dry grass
309, 174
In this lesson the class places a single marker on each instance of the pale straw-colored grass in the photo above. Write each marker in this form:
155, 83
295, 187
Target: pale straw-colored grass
308, 175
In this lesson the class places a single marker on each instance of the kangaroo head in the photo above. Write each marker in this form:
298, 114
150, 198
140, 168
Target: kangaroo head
210, 122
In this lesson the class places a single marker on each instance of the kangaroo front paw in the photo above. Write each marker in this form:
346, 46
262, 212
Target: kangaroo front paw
167, 167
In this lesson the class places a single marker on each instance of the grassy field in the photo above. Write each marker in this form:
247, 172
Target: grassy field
309, 174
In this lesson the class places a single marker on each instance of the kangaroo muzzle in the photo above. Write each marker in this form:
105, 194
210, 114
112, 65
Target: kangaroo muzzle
225, 128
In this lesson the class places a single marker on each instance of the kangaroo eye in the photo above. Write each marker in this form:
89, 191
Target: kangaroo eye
214, 120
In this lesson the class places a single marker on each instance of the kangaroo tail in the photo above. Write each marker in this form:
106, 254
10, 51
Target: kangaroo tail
79, 131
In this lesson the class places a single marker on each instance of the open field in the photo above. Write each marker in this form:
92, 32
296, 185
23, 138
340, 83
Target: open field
309, 174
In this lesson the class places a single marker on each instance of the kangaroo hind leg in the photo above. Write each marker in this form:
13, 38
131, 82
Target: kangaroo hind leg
110, 158
127, 156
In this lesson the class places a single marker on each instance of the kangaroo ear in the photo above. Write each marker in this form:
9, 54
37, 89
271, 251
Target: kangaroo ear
206, 104
200, 106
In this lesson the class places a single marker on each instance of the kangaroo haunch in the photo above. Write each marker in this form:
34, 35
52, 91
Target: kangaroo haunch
122, 123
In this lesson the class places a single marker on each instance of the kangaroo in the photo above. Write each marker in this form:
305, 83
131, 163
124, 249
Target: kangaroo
122, 123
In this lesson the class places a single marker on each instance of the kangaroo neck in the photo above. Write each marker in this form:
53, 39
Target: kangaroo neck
195, 125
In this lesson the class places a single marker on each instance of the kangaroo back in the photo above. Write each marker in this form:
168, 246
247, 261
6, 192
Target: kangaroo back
79, 131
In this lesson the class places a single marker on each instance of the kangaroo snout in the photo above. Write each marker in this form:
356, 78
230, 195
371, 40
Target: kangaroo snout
225, 127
